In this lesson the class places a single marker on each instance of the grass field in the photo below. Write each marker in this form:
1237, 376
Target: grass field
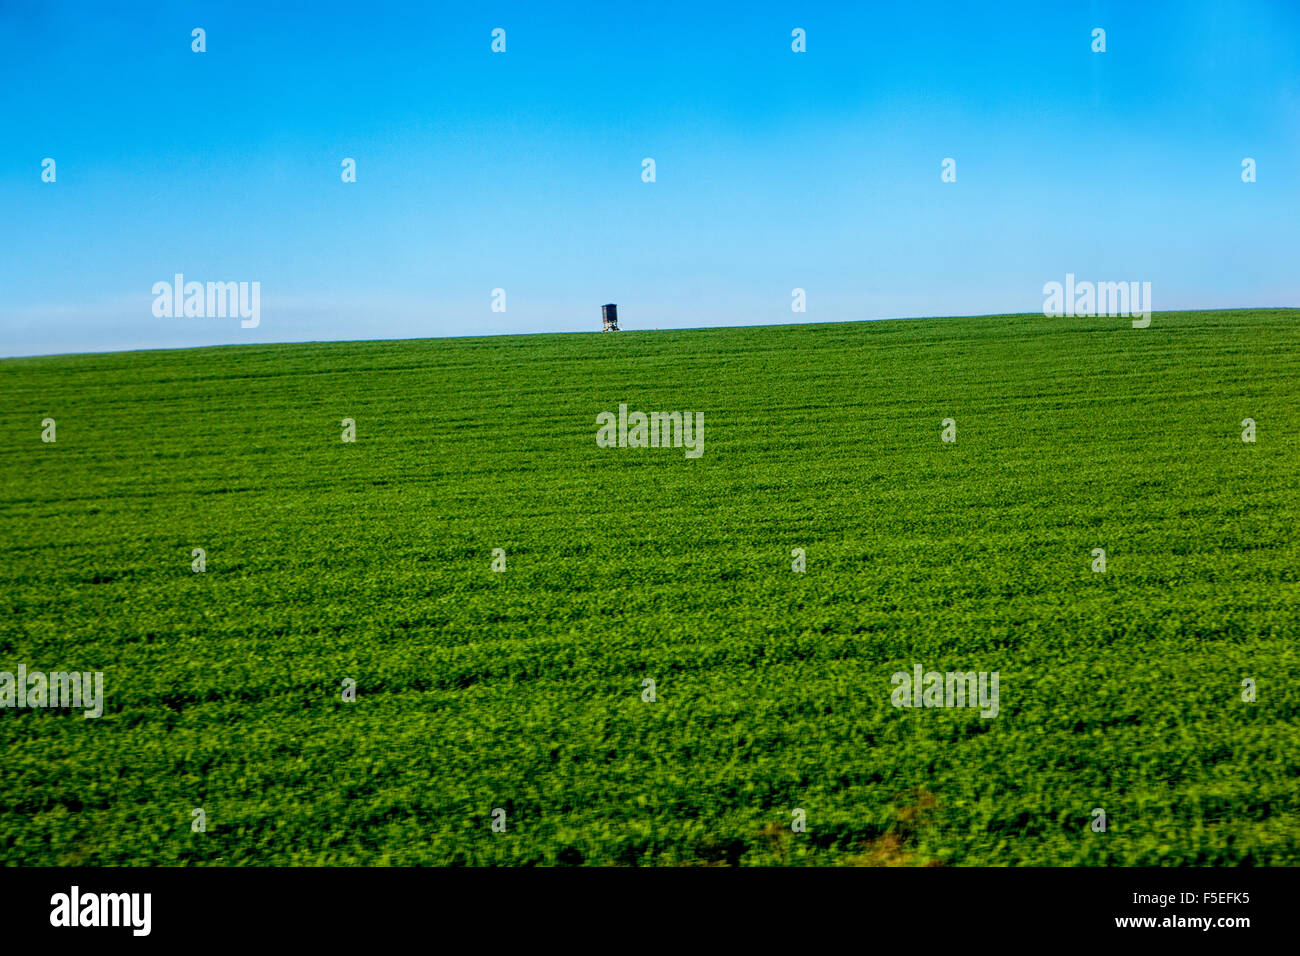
522, 690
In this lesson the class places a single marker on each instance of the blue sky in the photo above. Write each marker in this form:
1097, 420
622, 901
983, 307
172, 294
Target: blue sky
522, 170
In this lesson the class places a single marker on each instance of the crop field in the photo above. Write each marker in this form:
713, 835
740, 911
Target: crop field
524, 690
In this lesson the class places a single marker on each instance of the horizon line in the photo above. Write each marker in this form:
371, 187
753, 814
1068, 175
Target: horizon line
699, 328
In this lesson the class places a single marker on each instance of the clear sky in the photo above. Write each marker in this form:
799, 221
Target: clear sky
523, 170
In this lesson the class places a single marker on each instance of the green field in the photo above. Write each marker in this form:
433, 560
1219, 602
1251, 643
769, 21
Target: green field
522, 690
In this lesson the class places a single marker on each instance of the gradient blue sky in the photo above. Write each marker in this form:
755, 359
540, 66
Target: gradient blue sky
523, 171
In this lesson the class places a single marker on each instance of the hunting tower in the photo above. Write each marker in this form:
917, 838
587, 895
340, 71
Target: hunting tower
609, 313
